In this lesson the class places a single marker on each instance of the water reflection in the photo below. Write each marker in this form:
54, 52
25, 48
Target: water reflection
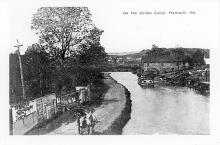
164, 109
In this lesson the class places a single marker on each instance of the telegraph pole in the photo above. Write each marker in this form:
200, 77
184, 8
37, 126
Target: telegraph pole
22, 78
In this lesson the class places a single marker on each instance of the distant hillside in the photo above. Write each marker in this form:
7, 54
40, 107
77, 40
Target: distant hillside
131, 55
122, 53
135, 55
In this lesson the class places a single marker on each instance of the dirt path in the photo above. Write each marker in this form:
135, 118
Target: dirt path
112, 105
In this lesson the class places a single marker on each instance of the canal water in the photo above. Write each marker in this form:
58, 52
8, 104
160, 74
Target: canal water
164, 109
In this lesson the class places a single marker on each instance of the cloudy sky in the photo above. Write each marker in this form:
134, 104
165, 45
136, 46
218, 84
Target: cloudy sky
126, 33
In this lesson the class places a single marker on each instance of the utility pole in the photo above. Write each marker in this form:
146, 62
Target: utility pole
22, 78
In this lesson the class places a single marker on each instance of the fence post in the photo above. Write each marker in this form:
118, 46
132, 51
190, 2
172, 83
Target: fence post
10, 122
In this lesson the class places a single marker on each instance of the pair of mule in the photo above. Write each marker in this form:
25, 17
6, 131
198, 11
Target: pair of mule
86, 124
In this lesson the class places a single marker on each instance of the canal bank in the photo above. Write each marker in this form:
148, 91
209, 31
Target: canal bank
118, 124
115, 110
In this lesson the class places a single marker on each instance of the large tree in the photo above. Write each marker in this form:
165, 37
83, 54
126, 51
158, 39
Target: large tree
62, 29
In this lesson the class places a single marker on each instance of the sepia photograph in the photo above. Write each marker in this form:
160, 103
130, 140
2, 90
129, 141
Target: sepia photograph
111, 68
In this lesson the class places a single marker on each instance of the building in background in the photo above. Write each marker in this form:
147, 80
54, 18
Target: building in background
162, 63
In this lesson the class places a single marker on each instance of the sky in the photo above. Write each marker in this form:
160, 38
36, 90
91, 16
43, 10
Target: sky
127, 33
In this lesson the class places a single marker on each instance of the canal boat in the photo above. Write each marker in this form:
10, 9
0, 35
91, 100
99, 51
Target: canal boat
145, 81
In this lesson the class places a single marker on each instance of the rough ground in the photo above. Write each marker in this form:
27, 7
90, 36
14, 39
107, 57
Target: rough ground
111, 108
